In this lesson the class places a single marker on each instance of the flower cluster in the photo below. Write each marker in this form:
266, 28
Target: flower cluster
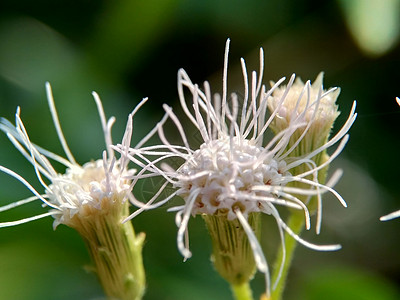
235, 172
258, 155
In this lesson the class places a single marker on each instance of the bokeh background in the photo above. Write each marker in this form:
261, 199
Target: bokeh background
126, 50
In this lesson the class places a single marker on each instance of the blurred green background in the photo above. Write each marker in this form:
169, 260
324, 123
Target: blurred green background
126, 50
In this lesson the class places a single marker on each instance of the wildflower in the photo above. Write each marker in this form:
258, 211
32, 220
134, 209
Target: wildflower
92, 199
235, 174
317, 108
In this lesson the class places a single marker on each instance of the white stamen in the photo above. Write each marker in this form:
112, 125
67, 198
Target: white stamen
390, 216
57, 124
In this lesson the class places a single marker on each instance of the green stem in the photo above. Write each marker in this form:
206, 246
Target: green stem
242, 291
296, 223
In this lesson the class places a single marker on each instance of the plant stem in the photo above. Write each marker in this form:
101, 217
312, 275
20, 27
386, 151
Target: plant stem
296, 223
242, 291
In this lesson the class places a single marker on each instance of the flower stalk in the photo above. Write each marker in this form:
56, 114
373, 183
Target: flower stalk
242, 291
296, 223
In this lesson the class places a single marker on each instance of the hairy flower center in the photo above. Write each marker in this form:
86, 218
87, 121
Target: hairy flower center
223, 173
87, 189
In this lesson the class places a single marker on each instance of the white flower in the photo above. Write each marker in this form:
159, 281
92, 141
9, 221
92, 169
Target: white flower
92, 198
317, 108
316, 105
235, 172
82, 190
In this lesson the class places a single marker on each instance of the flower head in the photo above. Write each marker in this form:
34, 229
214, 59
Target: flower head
316, 105
317, 108
235, 172
92, 198
80, 191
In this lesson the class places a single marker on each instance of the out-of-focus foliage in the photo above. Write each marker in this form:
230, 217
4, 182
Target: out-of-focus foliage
374, 24
126, 50
343, 282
